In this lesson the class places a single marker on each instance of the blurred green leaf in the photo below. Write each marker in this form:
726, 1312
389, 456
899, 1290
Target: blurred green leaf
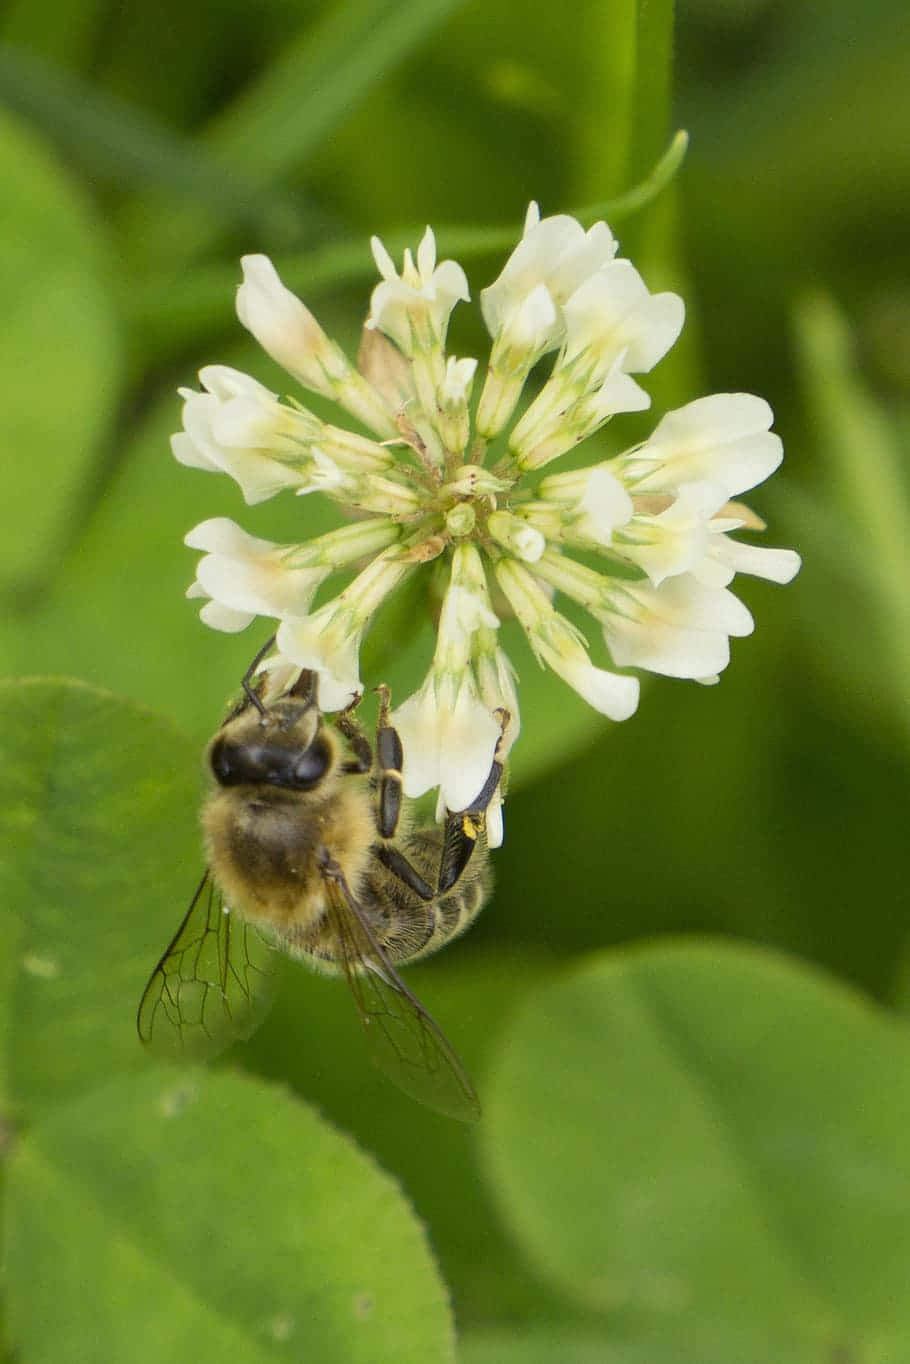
712, 1142
868, 481
37, 24
98, 827
316, 81
217, 1219
112, 140
117, 616
841, 72
556, 1345
293, 106
58, 353
312, 1042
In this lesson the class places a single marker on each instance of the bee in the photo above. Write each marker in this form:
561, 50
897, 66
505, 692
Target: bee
312, 851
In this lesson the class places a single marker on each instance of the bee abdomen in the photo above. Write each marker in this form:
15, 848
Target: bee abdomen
440, 920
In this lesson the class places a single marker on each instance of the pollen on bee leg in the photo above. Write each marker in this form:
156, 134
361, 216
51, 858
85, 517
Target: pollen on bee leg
472, 824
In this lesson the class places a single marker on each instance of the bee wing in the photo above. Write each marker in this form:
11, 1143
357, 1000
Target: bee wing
402, 1039
213, 984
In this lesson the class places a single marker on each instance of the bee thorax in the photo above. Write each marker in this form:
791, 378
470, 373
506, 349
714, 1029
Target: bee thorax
264, 850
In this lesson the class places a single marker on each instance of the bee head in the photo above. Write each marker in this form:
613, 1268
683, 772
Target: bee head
285, 745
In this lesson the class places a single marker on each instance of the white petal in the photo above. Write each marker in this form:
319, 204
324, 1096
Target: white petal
496, 684
651, 329
267, 589
426, 254
605, 505
416, 722
224, 383
468, 742
384, 263
280, 322
680, 629
187, 452
224, 618
721, 417
609, 693
221, 535
670, 650
686, 602
613, 312
280, 674
305, 643
495, 830
618, 393
712, 571
450, 282
723, 438
777, 565
334, 692
448, 737
532, 323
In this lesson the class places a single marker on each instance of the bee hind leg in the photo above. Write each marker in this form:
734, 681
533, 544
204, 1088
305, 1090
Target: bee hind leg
463, 827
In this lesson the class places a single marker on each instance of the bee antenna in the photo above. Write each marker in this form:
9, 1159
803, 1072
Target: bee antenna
246, 682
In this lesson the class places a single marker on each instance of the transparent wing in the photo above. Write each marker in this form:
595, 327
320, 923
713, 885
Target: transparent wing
213, 984
402, 1039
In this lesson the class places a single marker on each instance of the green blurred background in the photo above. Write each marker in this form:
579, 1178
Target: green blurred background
144, 148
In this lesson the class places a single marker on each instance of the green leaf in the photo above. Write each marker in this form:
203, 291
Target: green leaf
118, 617
208, 1217
865, 462
98, 829
309, 88
312, 1042
113, 140
554, 1345
59, 354
711, 1142
315, 82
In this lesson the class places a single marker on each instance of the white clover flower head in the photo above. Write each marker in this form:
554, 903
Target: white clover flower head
465, 493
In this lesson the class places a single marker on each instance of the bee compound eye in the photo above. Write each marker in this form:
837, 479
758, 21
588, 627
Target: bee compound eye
311, 765
222, 764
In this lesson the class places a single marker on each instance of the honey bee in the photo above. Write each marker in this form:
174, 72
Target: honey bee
313, 851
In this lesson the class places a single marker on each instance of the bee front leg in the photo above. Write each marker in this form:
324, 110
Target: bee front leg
360, 744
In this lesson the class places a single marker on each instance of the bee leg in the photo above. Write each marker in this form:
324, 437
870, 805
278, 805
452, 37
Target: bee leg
464, 827
389, 755
399, 866
360, 744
